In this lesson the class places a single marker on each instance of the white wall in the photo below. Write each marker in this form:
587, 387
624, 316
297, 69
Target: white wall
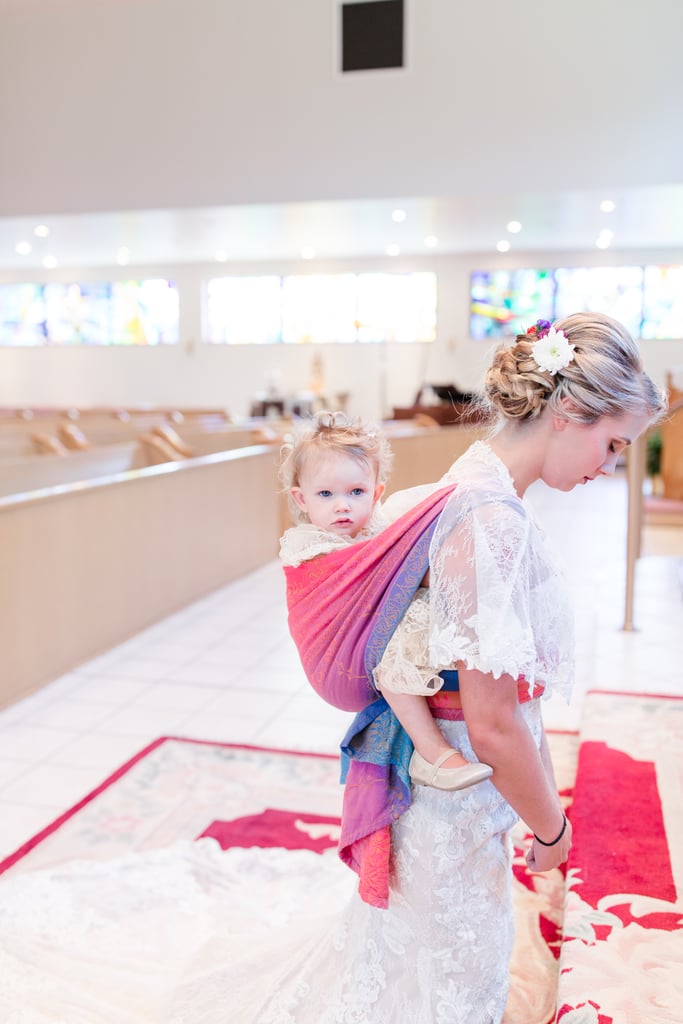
133, 104
196, 374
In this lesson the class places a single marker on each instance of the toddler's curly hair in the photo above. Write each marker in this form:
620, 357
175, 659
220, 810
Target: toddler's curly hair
333, 433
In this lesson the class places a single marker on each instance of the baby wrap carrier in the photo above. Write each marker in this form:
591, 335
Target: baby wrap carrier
343, 608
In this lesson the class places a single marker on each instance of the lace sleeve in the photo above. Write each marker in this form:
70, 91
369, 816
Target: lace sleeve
480, 586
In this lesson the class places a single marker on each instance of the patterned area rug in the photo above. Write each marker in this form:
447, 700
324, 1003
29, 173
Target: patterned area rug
245, 796
622, 955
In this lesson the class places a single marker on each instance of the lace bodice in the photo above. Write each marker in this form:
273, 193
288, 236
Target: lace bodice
499, 603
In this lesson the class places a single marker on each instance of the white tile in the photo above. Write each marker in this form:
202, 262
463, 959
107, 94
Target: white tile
53, 784
20, 822
248, 704
138, 667
283, 656
207, 675
72, 714
30, 743
163, 650
10, 769
226, 729
292, 682
97, 750
308, 707
146, 723
225, 655
63, 685
113, 689
28, 706
199, 634
182, 696
300, 736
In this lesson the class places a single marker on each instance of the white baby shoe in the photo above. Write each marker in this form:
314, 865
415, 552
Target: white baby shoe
423, 773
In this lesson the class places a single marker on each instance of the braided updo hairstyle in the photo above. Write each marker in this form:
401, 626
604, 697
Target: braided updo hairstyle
605, 377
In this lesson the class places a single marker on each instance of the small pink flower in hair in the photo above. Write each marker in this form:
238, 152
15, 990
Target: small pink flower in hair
552, 351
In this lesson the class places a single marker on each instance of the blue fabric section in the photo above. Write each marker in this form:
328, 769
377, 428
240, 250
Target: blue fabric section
377, 737
451, 681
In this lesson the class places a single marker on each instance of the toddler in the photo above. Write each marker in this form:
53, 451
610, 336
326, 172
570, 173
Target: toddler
335, 475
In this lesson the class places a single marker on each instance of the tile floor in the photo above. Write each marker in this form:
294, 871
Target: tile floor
224, 668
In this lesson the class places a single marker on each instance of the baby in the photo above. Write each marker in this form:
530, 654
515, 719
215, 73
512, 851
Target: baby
335, 475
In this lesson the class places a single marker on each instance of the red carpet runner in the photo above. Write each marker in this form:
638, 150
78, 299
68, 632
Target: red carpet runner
622, 955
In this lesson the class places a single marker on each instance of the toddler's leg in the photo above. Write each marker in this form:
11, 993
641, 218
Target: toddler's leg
434, 762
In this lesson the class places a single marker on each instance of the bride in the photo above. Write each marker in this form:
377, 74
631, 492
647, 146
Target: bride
194, 935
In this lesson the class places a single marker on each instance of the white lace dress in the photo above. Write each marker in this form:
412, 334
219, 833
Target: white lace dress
193, 935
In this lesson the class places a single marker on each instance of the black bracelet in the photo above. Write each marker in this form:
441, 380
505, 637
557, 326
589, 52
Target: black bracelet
555, 841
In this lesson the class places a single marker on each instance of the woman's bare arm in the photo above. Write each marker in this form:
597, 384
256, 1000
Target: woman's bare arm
500, 737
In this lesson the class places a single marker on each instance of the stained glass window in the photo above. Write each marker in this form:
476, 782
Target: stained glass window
99, 313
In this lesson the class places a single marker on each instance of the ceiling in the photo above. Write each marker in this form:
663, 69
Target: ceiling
646, 218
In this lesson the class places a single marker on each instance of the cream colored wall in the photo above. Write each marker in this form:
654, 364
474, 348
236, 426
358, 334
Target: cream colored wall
195, 373
88, 566
421, 456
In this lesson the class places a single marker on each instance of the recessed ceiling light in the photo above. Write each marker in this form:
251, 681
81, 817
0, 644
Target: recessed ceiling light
50, 262
123, 256
221, 256
608, 206
431, 241
24, 248
393, 250
603, 240
514, 227
41, 231
503, 245
308, 253
398, 216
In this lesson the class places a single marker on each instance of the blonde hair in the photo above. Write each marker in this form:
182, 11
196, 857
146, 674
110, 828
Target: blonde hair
333, 433
604, 378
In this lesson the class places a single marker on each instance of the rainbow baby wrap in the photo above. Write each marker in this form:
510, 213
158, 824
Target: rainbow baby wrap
343, 608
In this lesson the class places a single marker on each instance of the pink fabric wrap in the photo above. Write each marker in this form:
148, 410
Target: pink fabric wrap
343, 609
341, 602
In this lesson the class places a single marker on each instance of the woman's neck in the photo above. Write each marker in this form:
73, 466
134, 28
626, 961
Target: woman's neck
520, 448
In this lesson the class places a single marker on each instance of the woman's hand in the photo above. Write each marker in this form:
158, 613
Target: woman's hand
544, 858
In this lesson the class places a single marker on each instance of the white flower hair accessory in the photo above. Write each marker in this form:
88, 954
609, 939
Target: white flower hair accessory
551, 351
